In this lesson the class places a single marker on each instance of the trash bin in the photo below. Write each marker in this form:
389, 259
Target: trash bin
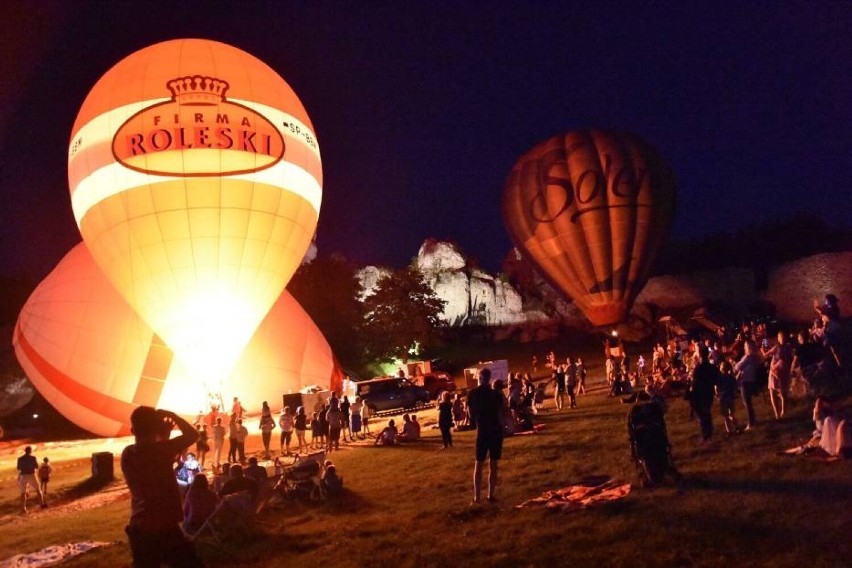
102, 467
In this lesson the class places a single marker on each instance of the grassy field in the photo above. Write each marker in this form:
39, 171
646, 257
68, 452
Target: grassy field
741, 504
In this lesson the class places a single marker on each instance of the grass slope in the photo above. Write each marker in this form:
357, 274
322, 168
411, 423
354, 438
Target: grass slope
741, 504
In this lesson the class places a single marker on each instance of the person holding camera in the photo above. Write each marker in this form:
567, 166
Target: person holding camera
155, 506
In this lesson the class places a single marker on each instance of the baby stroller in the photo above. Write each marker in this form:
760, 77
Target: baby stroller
303, 479
649, 442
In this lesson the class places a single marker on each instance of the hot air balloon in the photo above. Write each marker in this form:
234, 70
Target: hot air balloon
196, 182
94, 359
591, 209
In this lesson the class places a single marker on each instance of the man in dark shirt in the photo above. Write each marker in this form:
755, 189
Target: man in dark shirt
704, 381
486, 407
27, 466
239, 482
155, 506
256, 471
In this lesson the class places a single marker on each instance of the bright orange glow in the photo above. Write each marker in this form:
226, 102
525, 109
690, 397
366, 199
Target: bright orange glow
196, 182
91, 356
591, 209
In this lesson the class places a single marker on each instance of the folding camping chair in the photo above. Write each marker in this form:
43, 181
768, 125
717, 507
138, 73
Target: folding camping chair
303, 478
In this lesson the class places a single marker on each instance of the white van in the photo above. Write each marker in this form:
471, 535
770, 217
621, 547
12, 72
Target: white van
499, 370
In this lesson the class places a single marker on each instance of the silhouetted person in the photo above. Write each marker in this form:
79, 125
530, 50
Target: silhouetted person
155, 506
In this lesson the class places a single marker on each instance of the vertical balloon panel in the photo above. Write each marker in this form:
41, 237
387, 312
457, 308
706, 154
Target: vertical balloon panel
196, 182
591, 208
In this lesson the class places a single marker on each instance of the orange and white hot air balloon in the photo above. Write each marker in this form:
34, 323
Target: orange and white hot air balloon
590, 209
196, 182
94, 360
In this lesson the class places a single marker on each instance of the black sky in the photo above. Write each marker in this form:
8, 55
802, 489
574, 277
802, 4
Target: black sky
422, 108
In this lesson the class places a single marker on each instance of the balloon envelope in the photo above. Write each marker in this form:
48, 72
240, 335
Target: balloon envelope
196, 183
590, 209
94, 359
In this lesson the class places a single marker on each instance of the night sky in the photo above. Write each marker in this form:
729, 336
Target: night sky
422, 108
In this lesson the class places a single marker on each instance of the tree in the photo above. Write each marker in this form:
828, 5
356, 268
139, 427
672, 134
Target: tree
402, 314
329, 292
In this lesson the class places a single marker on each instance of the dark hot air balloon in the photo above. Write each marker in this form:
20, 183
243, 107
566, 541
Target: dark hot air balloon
590, 209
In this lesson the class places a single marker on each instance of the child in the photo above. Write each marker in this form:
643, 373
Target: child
44, 472
365, 419
332, 483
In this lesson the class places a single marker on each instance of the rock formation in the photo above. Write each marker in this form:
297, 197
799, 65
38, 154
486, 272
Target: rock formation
532, 310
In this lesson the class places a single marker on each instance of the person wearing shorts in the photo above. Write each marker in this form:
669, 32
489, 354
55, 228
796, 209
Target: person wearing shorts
486, 407
287, 423
27, 466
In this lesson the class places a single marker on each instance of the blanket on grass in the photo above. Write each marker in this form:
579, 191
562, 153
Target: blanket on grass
588, 493
52, 555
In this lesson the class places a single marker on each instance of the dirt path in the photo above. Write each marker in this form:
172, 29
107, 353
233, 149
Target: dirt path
109, 494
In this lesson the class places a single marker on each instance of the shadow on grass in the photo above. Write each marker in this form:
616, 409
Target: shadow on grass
822, 489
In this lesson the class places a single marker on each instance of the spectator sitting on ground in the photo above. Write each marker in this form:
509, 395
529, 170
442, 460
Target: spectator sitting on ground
410, 431
331, 482
187, 470
416, 424
199, 504
237, 482
387, 437
222, 477
256, 471
836, 434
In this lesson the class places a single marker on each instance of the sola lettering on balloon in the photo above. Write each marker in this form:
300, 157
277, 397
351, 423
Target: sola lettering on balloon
590, 208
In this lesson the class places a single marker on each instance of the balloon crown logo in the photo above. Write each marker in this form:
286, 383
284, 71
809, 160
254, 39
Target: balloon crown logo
198, 132
198, 90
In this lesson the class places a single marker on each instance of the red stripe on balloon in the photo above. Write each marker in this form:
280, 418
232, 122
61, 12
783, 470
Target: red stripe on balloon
90, 399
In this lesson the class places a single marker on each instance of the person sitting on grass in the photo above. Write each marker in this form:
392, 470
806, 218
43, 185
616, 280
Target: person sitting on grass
833, 433
199, 504
410, 431
331, 482
388, 436
256, 471
238, 482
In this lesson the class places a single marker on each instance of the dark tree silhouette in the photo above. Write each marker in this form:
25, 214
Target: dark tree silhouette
402, 312
329, 291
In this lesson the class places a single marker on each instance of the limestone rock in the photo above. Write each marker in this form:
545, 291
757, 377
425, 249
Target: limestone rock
435, 256
369, 276
732, 287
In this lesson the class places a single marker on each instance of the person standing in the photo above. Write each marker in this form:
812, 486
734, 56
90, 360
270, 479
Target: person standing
155, 505
355, 418
705, 377
445, 420
233, 433
236, 409
267, 425
27, 466
486, 408
559, 391
345, 407
746, 372
287, 424
44, 472
334, 422
242, 436
218, 441
581, 376
779, 373
300, 424
571, 382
